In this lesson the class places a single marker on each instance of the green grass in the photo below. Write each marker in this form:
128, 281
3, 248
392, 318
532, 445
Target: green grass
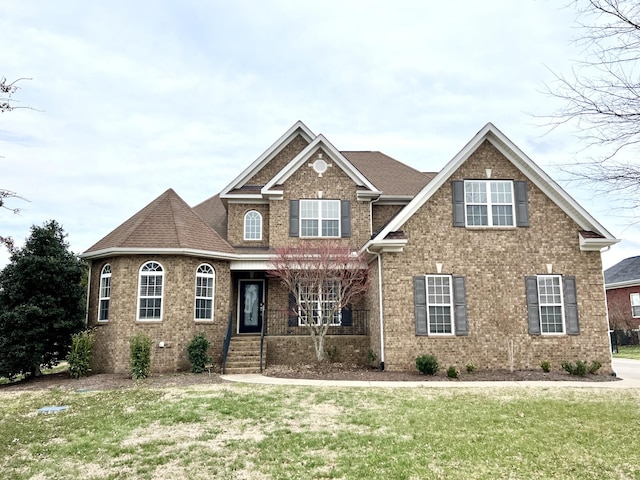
629, 351
248, 431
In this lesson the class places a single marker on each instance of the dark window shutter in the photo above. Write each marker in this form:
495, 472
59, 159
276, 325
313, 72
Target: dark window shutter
533, 310
345, 218
293, 308
571, 305
294, 218
457, 187
420, 304
460, 305
346, 317
522, 205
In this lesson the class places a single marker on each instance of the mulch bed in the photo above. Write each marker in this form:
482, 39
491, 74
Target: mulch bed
328, 371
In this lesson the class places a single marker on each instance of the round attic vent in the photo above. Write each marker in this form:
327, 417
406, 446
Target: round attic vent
320, 166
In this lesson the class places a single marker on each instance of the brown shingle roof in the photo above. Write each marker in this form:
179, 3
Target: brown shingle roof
214, 213
387, 174
167, 222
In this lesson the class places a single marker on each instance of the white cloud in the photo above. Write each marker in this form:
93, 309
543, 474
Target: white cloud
137, 97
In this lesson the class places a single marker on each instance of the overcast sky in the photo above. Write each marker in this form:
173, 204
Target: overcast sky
133, 98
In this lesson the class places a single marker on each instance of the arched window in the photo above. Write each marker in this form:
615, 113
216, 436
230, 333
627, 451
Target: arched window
205, 287
150, 291
105, 293
252, 225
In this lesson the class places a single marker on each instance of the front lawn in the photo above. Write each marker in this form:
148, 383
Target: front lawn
628, 351
255, 432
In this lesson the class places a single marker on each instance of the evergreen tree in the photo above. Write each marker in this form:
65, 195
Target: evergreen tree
41, 302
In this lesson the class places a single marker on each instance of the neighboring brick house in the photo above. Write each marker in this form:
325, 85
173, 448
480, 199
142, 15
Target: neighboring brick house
487, 253
622, 284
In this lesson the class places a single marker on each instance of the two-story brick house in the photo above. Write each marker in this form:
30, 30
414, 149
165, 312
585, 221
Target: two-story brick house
622, 284
488, 252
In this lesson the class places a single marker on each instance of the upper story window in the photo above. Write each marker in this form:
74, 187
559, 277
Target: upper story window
150, 292
105, 293
205, 285
320, 218
252, 225
635, 305
489, 203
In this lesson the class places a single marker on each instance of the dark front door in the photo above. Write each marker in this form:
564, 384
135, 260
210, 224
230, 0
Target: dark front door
250, 306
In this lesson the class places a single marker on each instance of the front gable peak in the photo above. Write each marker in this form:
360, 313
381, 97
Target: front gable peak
320, 155
242, 183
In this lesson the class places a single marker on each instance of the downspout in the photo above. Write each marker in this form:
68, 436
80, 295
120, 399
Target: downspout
86, 313
377, 254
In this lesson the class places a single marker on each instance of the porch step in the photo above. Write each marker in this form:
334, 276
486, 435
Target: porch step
244, 355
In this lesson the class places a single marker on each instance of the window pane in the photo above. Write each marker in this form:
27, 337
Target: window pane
439, 319
475, 192
308, 209
330, 228
104, 309
551, 319
331, 209
549, 290
502, 215
477, 215
635, 311
501, 192
309, 228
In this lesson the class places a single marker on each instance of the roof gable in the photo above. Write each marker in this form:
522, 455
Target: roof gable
528, 167
623, 273
306, 156
298, 128
165, 224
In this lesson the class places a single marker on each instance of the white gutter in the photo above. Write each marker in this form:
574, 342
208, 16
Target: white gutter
380, 307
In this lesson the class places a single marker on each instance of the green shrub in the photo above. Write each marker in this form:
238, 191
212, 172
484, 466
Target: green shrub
594, 367
470, 367
371, 357
197, 353
140, 360
427, 364
579, 368
452, 372
332, 354
546, 366
79, 357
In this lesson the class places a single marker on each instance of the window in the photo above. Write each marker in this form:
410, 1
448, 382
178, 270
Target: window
319, 218
635, 305
439, 304
319, 301
205, 282
150, 293
105, 294
551, 304
252, 225
489, 203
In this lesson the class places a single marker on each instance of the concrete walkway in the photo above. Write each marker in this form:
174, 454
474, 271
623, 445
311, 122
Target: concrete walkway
627, 370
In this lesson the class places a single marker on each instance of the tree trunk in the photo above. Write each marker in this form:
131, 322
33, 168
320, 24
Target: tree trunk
511, 353
318, 343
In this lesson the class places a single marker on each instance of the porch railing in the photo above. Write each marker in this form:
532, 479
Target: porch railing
280, 323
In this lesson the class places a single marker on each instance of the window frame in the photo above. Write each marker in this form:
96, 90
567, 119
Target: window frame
450, 305
321, 208
489, 203
201, 274
257, 226
320, 301
560, 304
148, 274
104, 293
635, 305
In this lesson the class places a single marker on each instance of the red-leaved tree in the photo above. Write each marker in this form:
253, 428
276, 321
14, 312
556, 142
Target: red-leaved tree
323, 277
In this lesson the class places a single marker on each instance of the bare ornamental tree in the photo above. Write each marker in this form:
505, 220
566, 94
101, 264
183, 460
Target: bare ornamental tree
602, 94
322, 278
